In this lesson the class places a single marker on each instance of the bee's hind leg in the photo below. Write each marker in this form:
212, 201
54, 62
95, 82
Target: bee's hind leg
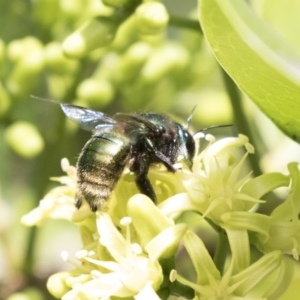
145, 186
140, 166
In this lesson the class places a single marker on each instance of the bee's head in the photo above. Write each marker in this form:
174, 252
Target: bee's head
186, 146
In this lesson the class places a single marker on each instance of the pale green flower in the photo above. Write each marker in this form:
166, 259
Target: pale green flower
126, 245
280, 230
251, 283
217, 190
123, 262
129, 271
215, 187
59, 202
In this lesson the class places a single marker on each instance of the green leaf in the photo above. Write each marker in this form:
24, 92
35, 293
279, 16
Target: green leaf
284, 16
263, 65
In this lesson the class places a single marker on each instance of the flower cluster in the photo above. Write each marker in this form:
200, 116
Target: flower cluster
129, 249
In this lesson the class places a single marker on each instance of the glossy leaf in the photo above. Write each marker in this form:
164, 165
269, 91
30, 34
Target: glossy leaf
263, 64
284, 16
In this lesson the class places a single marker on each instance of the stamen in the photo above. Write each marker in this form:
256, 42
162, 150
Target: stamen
65, 164
136, 248
81, 254
125, 221
249, 148
210, 137
64, 255
199, 135
173, 275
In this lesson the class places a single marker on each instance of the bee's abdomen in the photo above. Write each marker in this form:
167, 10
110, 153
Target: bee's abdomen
100, 166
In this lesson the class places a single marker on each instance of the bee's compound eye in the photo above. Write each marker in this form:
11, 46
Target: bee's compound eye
190, 143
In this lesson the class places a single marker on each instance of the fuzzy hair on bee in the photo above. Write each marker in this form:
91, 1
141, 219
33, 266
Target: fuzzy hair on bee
136, 140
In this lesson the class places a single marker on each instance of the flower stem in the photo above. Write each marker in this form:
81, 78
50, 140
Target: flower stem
185, 23
240, 118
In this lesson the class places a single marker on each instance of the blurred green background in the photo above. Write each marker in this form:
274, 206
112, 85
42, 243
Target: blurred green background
169, 72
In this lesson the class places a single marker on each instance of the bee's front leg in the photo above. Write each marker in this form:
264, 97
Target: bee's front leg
160, 156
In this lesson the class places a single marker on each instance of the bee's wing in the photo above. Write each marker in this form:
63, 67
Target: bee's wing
135, 119
87, 119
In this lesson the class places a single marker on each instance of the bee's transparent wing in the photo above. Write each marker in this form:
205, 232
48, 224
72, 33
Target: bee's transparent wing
137, 120
87, 119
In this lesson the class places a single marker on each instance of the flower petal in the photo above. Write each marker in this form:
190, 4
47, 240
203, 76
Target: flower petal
240, 247
110, 237
166, 243
261, 185
202, 261
285, 277
291, 207
176, 205
147, 293
243, 220
147, 219
244, 281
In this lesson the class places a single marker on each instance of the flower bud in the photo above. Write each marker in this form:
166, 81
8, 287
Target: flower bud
133, 60
72, 9
56, 61
17, 49
170, 57
97, 92
114, 3
152, 17
127, 34
24, 139
93, 34
56, 284
25, 73
27, 294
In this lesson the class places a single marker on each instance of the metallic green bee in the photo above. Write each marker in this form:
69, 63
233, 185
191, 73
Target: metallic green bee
137, 140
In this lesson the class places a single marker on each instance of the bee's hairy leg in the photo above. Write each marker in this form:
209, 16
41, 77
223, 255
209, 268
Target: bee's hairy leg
139, 164
145, 187
162, 157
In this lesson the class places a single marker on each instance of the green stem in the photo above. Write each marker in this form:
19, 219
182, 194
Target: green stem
185, 23
240, 119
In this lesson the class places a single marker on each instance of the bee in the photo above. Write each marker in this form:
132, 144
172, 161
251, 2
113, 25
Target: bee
136, 140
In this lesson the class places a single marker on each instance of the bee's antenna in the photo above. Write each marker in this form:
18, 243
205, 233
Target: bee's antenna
212, 127
190, 117
44, 99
